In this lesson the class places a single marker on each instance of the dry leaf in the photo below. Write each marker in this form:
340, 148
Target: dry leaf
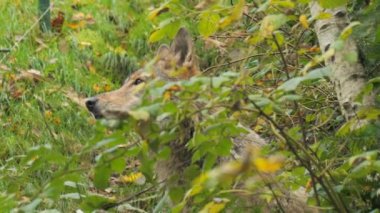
32, 75
215, 43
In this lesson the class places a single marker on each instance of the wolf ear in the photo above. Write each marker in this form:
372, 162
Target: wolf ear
177, 61
182, 48
163, 51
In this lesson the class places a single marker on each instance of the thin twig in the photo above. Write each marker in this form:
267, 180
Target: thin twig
237, 60
113, 205
282, 56
293, 145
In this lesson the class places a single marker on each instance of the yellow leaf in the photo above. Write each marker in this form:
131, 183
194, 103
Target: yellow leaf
255, 38
77, 25
283, 3
215, 206
137, 178
304, 22
271, 23
107, 87
96, 87
347, 31
323, 15
237, 12
174, 88
139, 115
78, 16
268, 165
208, 23
156, 35
156, 12
224, 22
167, 95
119, 50
48, 114
57, 121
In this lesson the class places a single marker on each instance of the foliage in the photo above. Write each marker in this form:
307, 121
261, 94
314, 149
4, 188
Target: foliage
262, 71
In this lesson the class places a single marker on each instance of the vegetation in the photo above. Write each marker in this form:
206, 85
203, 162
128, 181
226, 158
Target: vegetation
262, 70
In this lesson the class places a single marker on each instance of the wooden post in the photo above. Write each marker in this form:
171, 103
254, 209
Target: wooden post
44, 5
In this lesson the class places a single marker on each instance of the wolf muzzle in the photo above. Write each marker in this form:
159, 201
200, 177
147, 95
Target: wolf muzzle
92, 106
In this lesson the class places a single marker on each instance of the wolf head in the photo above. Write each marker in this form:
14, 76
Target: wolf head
177, 62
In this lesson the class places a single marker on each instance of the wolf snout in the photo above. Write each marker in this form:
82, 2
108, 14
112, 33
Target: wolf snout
91, 106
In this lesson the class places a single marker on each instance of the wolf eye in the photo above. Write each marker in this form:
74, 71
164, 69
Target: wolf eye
138, 81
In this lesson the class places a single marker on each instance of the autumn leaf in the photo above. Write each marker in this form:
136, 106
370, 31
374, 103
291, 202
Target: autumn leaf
208, 23
271, 23
31, 75
77, 25
303, 21
96, 88
236, 14
57, 23
107, 87
215, 206
156, 12
136, 178
268, 165
48, 114
174, 88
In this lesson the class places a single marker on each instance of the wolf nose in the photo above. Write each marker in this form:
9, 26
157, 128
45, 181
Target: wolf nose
90, 103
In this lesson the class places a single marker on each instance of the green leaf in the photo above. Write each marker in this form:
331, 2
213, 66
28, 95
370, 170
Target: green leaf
95, 201
290, 84
284, 3
224, 147
362, 170
209, 161
7, 202
303, 1
208, 23
167, 28
32, 205
218, 81
271, 23
165, 153
332, 3
118, 165
139, 115
290, 98
178, 208
317, 73
157, 35
101, 176
74, 196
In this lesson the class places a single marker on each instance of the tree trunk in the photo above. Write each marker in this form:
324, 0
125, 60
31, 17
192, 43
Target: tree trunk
348, 77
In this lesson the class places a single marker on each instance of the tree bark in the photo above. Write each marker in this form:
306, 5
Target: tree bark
348, 77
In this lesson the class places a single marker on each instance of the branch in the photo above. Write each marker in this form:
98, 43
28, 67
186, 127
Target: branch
238, 60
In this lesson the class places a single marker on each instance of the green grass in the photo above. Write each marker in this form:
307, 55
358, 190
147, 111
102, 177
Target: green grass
42, 114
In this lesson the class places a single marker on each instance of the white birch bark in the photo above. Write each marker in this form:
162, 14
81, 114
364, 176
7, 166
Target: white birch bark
348, 77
